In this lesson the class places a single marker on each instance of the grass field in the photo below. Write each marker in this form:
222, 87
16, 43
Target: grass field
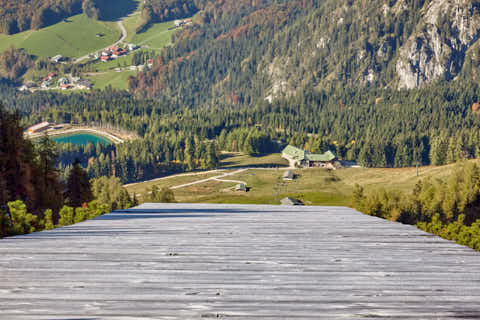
73, 38
156, 37
316, 186
118, 80
140, 188
267, 187
100, 66
131, 23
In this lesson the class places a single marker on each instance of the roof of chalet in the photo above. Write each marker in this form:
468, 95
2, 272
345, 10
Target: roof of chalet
195, 261
294, 152
325, 157
300, 154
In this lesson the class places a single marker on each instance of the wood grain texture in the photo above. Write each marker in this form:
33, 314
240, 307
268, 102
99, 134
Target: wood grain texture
196, 261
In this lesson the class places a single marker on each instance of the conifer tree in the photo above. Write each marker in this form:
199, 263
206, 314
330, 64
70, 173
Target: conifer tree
16, 161
48, 187
79, 190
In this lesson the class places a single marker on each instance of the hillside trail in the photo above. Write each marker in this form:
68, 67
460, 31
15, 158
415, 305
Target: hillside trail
175, 176
216, 178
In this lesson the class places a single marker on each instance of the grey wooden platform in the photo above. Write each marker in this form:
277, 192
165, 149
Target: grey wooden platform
242, 262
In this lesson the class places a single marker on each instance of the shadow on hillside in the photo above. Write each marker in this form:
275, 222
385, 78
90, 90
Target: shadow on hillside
115, 10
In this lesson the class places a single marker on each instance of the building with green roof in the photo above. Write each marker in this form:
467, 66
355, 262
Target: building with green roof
301, 158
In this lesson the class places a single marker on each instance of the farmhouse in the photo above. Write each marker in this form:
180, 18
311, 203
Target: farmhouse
57, 58
84, 84
132, 46
38, 127
45, 84
304, 159
63, 81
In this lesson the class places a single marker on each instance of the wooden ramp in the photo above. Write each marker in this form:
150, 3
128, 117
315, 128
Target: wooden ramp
196, 261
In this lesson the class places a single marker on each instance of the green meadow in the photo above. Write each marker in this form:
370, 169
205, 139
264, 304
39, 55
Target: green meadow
73, 37
315, 186
155, 37
118, 80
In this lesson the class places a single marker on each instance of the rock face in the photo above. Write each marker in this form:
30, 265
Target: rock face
437, 50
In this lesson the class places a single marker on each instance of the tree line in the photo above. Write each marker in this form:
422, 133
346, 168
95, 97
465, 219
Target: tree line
21, 15
449, 208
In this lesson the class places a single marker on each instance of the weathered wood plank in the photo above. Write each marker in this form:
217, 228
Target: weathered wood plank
181, 261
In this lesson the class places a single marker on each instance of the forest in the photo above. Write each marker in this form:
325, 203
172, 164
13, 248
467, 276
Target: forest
165, 10
14, 63
375, 127
21, 15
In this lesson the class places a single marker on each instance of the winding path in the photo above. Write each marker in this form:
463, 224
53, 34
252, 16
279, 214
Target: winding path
175, 176
124, 36
216, 178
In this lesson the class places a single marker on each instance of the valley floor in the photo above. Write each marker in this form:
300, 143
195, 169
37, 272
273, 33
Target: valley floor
263, 177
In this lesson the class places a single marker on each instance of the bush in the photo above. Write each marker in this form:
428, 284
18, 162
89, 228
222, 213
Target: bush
48, 220
22, 222
66, 216
81, 214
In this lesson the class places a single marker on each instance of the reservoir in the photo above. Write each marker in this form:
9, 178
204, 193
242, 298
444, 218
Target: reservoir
81, 139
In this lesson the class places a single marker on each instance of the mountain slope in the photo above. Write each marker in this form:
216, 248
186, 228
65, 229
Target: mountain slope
241, 52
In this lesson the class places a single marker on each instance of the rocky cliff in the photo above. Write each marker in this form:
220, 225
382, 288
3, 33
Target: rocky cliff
436, 50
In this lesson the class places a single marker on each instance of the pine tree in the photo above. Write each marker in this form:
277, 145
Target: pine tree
16, 161
79, 190
48, 186
212, 159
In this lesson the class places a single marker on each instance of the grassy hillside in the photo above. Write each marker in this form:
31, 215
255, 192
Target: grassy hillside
313, 186
74, 37
156, 37
118, 80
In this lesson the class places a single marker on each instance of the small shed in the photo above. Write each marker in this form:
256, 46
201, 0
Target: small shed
241, 187
58, 58
288, 175
288, 201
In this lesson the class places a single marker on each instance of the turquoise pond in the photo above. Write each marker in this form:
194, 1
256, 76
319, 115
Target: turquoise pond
80, 139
